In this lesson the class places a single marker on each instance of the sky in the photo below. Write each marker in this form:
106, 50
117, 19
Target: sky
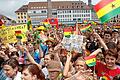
8, 7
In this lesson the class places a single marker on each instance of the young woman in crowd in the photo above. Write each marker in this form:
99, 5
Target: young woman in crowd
32, 72
10, 67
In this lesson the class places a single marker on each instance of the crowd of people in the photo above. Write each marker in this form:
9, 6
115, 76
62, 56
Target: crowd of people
36, 59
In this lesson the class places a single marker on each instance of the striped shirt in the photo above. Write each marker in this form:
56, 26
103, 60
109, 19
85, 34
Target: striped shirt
2, 75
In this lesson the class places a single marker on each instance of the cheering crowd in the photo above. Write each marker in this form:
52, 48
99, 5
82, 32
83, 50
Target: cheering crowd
37, 59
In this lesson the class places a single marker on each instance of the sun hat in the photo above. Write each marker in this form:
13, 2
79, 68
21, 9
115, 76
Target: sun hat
54, 66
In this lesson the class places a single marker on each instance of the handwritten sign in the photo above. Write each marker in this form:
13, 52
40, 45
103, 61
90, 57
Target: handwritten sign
8, 34
74, 43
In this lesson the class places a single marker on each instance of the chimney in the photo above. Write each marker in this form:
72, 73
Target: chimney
49, 9
89, 2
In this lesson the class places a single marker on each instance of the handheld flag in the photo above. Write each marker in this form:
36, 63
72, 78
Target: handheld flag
47, 25
18, 34
107, 9
67, 32
90, 60
86, 28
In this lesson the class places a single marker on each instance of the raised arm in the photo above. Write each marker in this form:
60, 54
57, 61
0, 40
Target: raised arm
30, 57
67, 66
100, 40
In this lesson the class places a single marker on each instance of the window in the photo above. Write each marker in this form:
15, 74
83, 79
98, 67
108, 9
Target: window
25, 17
54, 13
43, 11
21, 13
67, 6
22, 21
21, 17
25, 21
18, 13
19, 21
34, 11
69, 11
72, 6
18, 17
74, 19
24, 13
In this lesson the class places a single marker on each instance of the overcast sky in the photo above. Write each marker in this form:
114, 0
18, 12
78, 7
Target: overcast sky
8, 7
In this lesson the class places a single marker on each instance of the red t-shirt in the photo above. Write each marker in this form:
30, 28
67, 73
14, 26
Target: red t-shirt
102, 70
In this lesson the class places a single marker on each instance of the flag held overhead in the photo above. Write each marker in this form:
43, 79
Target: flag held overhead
107, 9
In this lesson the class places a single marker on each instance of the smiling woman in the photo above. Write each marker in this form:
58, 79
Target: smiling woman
11, 69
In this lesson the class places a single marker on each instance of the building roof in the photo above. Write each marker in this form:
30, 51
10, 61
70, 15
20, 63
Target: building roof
24, 8
4, 17
58, 5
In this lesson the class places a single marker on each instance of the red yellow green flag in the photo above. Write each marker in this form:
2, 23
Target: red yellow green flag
86, 28
18, 34
90, 60
67, 32
106, 77
107, 9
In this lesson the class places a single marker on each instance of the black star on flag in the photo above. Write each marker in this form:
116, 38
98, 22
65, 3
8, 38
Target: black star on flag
113, 5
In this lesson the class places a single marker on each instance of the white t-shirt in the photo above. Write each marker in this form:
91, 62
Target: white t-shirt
17, 77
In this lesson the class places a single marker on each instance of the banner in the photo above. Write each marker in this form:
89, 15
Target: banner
74, 43
8, 34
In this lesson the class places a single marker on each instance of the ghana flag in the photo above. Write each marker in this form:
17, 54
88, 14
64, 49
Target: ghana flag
18, 34
90, 60
107, 9
67, 32
86, 28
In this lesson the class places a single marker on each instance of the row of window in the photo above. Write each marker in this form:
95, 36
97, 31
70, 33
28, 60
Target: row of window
78, 15
38, 7
40, 11
74, 19
81, 11
21, 13
80, 19
38, 16
62, 16
22, 17
82, 15
74, 11
22, 21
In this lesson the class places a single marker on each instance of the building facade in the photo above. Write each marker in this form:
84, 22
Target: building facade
67, 12
22, 14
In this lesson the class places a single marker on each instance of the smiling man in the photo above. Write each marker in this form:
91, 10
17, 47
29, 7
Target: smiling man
109, 69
